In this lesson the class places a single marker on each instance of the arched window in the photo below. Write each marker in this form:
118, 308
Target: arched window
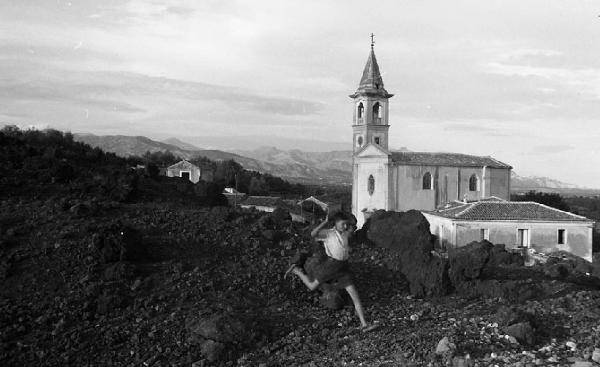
473, 183
359, 141
371, 185
361, 110
427, 181
377, 112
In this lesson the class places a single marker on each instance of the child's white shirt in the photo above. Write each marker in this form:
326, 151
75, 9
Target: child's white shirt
336, 246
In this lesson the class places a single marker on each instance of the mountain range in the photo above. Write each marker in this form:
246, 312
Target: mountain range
334, 167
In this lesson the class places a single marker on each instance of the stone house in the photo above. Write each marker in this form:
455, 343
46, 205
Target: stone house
190, 171
512, 223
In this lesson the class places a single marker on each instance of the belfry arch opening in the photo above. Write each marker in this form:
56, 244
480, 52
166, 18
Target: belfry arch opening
377, 112
360, 111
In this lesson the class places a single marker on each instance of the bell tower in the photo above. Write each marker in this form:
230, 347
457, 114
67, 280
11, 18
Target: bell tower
370, 123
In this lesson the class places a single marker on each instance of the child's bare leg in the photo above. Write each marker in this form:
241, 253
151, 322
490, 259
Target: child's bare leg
351, 289
311, 284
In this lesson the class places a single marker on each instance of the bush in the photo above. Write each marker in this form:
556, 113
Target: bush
152, 170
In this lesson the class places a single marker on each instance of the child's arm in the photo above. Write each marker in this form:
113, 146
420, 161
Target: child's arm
315, 232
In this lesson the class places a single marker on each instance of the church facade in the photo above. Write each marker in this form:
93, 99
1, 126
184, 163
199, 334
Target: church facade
399, 181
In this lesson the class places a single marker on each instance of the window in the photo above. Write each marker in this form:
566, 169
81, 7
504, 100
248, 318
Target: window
523, 237
371, 185
377, 140
562, 238
473, 183
377, 112
484, 234
359, 141
427, 184
361, 110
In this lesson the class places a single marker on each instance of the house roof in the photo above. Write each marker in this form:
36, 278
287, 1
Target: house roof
318, 202
183, 165
506, 210
446, 159
270, 201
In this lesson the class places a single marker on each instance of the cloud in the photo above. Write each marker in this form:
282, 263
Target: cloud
551, 148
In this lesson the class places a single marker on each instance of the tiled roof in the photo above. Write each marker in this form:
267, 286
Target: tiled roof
371, 81
446, 159
506, 210
182, 165
271, 201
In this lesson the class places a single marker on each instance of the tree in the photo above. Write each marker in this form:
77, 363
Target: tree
551, 199
226, 171
258, 186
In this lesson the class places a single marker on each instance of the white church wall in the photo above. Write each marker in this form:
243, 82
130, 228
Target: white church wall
499, 183
366, 202
409, 189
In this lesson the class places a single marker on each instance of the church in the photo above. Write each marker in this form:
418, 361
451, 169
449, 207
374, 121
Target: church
399, 181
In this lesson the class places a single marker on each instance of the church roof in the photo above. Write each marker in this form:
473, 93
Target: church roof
371, 81
506, 210
446, 159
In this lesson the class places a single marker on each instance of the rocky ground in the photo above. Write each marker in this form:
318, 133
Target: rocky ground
101, 283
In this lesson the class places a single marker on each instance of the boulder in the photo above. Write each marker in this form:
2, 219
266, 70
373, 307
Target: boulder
407, 235
212, 350
516, 323
223, 328
467, 262
281, 217
445, 346
522, 331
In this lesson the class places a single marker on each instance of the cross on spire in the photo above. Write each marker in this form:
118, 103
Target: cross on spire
372, 40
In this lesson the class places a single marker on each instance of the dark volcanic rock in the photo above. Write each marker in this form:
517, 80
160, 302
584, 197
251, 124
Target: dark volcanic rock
212, 350
332, 297
118, 243
223, 328
407, 234
467, 263
280, 216
523, 332
517, 323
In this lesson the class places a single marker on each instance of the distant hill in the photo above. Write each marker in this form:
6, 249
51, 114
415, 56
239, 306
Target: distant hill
545, 184
231, 143
180, 144
338, 161
295, 165
297, 168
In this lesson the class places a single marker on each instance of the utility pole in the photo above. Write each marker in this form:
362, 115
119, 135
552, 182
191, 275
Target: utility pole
235, 194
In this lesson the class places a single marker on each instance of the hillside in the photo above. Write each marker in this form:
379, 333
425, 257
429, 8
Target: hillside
295, 165
96, 271
297, 168
180, 144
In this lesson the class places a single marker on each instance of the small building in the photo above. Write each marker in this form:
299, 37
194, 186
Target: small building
312, 208
233, 196
263, 203
512, 223
269, 204
189, 171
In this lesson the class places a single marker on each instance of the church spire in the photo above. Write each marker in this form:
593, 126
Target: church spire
371, 81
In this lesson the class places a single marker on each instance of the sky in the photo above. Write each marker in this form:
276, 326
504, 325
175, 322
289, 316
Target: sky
516, 80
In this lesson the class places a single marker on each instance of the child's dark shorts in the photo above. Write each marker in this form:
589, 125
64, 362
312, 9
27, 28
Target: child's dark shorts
327, 269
